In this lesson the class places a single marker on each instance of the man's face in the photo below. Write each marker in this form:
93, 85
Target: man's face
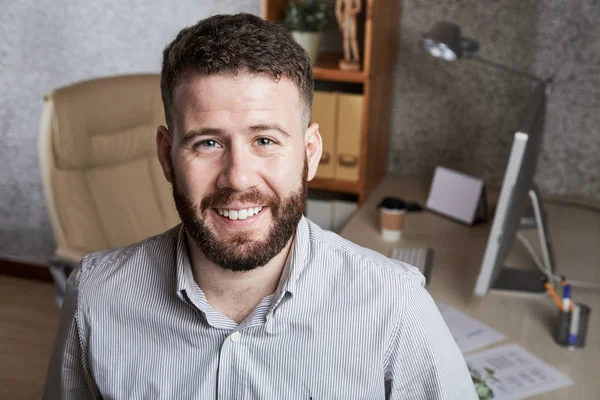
239, 161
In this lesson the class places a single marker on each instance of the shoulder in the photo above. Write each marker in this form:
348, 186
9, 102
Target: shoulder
124, 261
360, 260
362, 285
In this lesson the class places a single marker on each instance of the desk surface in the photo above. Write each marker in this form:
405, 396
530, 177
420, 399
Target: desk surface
526, 320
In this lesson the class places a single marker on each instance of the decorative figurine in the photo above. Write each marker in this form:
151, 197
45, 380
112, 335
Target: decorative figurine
345, 13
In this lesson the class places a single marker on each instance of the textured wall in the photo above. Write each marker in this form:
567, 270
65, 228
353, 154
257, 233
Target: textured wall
461, 115
464, 114
50, 43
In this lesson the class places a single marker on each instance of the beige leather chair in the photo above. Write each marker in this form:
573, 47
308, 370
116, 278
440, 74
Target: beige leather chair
103, 185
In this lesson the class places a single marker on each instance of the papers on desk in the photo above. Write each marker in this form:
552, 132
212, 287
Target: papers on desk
468, 333
507, 372
512, 373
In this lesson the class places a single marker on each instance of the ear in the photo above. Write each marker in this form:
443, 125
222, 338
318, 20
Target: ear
313, 144
163, 149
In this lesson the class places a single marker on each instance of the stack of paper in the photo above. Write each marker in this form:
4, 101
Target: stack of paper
468, 333
511, 373
507, 372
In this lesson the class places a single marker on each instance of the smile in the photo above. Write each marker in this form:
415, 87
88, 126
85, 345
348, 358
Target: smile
239, 214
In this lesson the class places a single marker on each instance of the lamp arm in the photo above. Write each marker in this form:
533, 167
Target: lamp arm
504, 68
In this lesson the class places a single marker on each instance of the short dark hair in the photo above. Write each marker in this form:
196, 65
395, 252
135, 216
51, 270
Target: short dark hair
231, 44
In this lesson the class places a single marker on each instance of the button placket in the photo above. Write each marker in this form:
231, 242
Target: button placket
230, 370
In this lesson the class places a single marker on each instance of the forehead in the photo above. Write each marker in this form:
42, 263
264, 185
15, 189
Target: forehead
237, 96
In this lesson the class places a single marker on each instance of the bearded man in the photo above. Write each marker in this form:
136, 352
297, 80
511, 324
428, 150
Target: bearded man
246, 298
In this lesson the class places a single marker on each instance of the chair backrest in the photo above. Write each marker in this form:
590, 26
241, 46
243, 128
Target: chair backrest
103, 185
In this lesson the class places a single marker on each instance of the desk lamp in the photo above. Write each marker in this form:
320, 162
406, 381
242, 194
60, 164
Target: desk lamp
445, 41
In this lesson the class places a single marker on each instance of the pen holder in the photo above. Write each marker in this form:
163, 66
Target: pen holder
563, 323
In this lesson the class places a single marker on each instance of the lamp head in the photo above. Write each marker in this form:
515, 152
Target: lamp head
444, 40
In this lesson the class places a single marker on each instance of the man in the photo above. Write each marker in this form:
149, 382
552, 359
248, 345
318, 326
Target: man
247, 299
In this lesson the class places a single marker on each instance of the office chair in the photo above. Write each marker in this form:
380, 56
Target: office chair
103, 185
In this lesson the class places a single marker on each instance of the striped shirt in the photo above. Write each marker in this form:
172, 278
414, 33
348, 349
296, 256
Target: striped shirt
345, 323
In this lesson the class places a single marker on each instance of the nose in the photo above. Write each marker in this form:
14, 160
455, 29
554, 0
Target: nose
237, 171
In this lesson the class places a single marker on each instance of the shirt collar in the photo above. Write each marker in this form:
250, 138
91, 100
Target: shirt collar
295, 263
183, 265
296, 260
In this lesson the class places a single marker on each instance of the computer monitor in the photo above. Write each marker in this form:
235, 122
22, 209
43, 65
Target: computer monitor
515, 195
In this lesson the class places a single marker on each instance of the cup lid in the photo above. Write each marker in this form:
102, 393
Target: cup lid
392, 203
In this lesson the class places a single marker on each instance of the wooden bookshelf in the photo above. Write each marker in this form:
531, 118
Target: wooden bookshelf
335, 185
378, 26
326, 69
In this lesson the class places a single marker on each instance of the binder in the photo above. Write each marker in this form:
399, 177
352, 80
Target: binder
330, 214
347, 162
320, 212
342, 212
324, 112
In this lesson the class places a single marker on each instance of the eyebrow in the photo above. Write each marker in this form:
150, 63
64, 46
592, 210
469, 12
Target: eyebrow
267, 127
194, 133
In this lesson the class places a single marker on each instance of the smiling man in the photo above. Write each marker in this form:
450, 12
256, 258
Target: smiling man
247, 299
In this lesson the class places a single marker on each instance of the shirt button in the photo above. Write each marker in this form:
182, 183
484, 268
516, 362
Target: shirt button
236, 336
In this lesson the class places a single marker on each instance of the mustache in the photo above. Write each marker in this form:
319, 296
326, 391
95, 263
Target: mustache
223, 197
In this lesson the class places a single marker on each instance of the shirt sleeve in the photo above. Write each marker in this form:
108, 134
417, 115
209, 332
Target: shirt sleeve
68, 376
425, 362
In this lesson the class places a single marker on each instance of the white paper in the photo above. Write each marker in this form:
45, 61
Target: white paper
454, 194
517, 374
468, 333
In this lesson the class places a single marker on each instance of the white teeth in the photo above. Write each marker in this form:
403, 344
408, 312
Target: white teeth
239, 214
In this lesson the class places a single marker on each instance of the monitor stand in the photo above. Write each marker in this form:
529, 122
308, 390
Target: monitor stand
514, 279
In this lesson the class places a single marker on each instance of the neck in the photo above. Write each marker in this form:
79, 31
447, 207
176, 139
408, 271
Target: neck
236, 293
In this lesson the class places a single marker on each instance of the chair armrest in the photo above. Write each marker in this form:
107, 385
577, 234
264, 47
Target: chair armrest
60, 271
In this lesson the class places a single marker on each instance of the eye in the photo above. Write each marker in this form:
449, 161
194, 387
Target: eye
207, 143
264, 141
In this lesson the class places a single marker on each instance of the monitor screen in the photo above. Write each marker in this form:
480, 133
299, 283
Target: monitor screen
514, 194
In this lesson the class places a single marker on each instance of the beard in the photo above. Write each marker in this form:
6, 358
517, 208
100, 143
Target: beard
240, 252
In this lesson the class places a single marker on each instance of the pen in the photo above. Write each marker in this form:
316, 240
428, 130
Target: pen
574, 326
563, 282
555, 297
567, 297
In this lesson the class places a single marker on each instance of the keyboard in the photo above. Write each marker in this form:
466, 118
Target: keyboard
420, 257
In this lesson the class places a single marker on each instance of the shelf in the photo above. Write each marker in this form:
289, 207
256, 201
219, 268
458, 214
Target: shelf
334, 185
377, 36
326, 69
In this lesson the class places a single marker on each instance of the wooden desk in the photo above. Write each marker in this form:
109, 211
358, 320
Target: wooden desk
524, 319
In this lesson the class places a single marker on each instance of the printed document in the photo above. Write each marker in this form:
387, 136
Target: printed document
510, 372
468, 333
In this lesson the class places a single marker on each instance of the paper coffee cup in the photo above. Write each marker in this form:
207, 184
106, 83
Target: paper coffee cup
391, 218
